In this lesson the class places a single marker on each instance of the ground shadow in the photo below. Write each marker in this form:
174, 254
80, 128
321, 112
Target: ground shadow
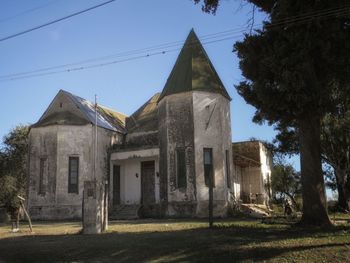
223, 243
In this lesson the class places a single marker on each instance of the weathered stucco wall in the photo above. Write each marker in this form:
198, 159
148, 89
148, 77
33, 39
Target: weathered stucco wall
251, 182
255, 179
58, 143
42, 144
212, 129
176, 130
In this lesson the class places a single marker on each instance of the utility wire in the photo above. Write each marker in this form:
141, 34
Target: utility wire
55, 21
2, 20
123, 54
112, 62
228, 33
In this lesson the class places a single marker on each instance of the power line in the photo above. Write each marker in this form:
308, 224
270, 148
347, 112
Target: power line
111, 62
26, 11
123, 54
55, 21
216, 36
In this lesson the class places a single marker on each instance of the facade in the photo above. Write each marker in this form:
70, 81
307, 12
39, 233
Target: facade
157, 161
62, 152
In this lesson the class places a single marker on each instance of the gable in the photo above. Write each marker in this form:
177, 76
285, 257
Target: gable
62, 110
70, 109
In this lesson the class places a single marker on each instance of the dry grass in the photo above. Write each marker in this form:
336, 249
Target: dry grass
177, 241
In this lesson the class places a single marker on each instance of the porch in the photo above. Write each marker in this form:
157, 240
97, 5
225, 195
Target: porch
134, 179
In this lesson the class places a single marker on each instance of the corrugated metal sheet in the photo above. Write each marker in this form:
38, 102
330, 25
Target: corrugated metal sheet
106, 118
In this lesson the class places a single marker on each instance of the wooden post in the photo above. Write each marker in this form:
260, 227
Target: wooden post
211, 200
21, 199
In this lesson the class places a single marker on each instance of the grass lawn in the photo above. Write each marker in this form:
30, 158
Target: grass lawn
177, 241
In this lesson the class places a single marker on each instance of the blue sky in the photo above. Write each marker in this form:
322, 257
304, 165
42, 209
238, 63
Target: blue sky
121, 26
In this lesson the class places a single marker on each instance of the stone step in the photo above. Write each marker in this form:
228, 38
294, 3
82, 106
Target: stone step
125, 212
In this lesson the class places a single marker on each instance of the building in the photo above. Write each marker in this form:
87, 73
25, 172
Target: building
252, 166
157, 161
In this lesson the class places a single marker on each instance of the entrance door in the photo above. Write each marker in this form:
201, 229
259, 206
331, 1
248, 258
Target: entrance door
116, 185
148, 182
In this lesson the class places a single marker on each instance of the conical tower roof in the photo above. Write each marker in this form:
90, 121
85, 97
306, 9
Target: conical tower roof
193, 71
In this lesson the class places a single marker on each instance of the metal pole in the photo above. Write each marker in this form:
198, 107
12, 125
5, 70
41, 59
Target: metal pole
211, 199
95, 154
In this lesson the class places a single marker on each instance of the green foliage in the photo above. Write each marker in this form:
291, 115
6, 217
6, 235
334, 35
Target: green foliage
285, 181
13, 166
9, 192
335, 146
293, 69
209, 6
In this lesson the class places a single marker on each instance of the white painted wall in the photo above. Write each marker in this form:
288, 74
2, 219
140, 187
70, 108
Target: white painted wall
237, 173
130, 165
266, 166
217, 136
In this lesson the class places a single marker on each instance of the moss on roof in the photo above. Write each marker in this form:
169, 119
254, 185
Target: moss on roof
145, 118
193, 70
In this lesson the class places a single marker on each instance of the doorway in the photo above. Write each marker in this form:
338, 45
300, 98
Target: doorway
148, 182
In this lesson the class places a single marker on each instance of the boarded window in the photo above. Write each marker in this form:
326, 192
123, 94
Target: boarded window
228, 171
181, 168
73, 175
208, 166
42, 175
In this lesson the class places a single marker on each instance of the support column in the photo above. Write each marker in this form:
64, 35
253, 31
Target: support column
94, 208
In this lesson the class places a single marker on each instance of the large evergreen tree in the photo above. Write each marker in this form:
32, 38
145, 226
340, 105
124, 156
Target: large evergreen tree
292, 67
335, 148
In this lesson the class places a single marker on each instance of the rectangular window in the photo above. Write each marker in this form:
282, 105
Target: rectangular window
208, 166
73, 175
181, 168
228, 170
42, 176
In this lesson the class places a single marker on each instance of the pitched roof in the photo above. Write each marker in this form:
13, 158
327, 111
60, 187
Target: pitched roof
106, 118
193, 70
246, 153
145, 118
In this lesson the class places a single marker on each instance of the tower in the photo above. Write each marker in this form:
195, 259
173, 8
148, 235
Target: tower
194, 135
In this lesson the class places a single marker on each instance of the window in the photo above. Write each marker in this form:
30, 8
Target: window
228, 171
208, 166
73, 175
181, 168
42, 175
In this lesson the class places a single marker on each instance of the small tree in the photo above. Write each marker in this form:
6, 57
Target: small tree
285, 181
13, 167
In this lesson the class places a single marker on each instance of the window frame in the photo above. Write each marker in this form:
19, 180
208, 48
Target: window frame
73, 188
183, 169
42, 173
228, 169
208, 168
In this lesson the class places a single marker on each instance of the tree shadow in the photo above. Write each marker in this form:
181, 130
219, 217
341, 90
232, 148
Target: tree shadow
222, 243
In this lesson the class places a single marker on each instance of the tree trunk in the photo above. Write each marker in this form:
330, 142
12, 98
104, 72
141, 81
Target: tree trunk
295, 204
343, 187
313, 189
